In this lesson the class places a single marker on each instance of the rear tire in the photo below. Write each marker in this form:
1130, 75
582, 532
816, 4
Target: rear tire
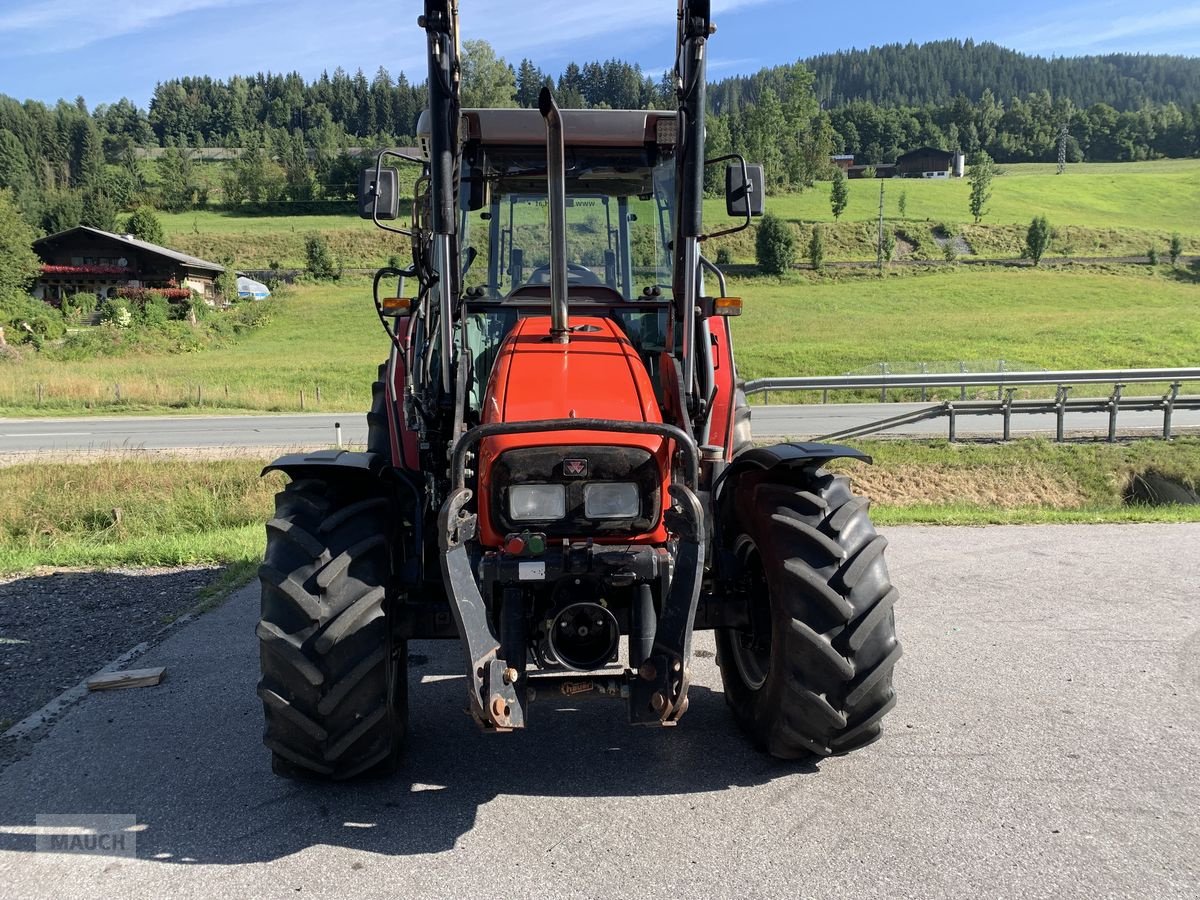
812, 676
334, 680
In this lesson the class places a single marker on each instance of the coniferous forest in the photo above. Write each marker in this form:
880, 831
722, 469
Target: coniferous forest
70, 163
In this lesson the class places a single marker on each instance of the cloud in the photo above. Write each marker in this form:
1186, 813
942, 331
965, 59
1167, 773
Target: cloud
1093, 28
72, 24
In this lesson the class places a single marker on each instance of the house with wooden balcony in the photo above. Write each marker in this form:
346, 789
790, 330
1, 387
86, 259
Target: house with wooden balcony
87, 260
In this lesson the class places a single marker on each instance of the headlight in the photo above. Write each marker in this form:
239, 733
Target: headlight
611, 501
537, 502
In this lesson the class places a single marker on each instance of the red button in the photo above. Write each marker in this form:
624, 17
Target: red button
515, 546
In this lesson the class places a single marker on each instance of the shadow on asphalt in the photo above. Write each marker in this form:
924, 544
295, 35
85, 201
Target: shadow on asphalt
202, 784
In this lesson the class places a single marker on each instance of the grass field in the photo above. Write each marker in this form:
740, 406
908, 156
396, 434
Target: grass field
328, 336
137, 511
1102, 209
1161, 196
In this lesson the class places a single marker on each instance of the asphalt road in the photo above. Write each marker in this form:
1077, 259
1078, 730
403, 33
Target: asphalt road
1046, 744
317, 430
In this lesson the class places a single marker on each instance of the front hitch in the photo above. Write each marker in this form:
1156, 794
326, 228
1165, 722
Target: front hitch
658, 692
495, 702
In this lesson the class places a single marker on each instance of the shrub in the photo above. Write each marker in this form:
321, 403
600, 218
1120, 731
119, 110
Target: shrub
319, 261
78, 307
774, 245
1152, 255
889, 244
816, 248
1175, 250
724, 257
154, 311
1037, 240
115, 312
27, 320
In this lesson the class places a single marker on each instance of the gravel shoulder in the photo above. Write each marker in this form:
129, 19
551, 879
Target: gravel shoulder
57, 628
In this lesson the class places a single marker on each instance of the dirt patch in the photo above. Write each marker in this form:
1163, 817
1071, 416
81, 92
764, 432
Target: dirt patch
1011, 487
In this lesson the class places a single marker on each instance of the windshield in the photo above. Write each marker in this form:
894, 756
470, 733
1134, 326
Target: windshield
618, 221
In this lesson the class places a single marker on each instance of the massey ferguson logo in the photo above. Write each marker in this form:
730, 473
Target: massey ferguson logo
575, 468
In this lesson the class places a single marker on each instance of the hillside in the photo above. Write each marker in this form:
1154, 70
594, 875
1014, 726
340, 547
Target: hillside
937, 72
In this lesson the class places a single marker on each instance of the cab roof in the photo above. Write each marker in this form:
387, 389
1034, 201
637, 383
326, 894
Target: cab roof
581, 127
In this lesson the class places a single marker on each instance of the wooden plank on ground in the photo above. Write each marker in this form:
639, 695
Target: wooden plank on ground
131, 678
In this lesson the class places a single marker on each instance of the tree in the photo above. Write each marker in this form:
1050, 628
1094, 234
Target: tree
226, 282
816, 248
19, 265
902, 204
839, 195
983, 170
1037, 241
176, 172
487, 80
319, 260
1175, 250
99, 210
144, 225
774, 245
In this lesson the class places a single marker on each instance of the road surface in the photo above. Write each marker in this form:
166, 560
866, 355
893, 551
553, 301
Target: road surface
317, 430
1046, 744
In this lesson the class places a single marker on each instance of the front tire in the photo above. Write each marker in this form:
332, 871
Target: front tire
812, 676
334, 679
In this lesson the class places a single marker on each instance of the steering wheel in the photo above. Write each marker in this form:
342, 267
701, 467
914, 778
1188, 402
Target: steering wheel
576, 274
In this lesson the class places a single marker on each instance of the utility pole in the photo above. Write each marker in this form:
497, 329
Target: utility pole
879, 254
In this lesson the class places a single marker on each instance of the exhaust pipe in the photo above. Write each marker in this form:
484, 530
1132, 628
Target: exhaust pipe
556, 178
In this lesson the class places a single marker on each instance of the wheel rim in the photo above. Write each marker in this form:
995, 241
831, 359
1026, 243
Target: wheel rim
751, 650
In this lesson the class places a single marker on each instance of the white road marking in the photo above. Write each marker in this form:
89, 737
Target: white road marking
17, 434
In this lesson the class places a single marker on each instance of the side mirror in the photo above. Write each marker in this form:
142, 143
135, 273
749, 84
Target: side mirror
379, 198
744, 198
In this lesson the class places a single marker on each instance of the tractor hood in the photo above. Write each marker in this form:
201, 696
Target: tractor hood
598, 375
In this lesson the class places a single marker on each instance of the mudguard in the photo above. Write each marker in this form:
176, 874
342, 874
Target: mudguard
790, 456
324, 463
794, 455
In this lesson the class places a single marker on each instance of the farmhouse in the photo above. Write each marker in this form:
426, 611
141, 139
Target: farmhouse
929, 162
88, 260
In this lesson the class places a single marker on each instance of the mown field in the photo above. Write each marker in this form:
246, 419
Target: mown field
134, 510
328, 337
1100, 209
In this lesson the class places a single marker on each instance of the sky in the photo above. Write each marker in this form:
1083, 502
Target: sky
105, 50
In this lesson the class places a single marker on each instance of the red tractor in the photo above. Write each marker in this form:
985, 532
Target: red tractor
560, 462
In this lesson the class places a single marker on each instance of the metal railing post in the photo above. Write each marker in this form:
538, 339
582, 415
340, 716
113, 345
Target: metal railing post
952, 414
1114, 407
1006, 410
1169, 409
1060, 409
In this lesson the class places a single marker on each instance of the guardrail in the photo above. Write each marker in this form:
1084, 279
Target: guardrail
1005, 405
972, 379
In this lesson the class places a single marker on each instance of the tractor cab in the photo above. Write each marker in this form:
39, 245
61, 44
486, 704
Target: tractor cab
619, 208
